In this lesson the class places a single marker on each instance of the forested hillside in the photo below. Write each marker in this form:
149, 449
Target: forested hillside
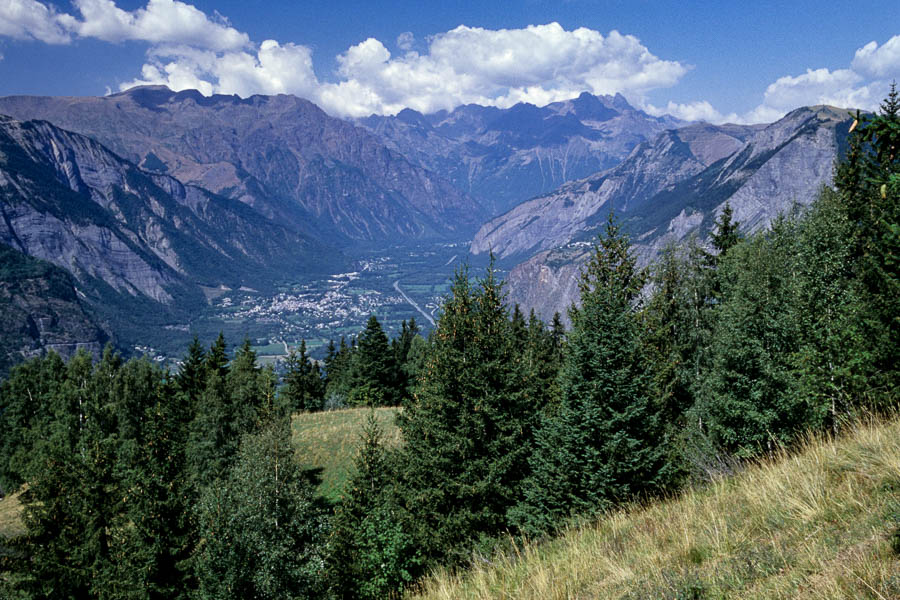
140, 482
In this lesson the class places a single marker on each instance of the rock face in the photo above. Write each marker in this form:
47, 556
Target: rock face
666, 190
126, 234
279, 154
40, 311
557, 218
504, 156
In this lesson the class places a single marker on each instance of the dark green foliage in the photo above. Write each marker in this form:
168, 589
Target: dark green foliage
338, 365
726, 235
373, 371
468, 430
28, 402
605, 444
261, 528
677, 322
370, 555
304, 388
749, 400
404, 359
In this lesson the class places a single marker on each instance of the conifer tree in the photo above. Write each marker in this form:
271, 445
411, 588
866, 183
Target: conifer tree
304, 388
373, 372
468, 430
605, 443
749, 402
370, 554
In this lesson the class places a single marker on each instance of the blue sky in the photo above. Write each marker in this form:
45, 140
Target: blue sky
719, 61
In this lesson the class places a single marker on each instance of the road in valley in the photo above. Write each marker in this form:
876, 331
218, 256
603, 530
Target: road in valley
413, 302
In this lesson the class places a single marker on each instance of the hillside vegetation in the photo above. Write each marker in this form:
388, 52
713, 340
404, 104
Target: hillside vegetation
329, 441
817, 524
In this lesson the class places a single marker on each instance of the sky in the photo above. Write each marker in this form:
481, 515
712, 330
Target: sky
725, 61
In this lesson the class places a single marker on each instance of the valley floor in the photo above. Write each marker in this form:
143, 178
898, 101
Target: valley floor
815, 524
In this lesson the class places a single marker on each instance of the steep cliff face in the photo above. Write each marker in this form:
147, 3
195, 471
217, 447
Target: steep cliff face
665, 191
132, 238
555, 219
279, 154
504, 156
40, 311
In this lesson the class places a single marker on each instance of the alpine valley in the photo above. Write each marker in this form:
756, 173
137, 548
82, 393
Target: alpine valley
265, 217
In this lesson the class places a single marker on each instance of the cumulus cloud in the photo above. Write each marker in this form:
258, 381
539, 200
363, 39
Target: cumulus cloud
693, 111
161, 21
406, 40
879, 61
537, 64
842, 87
863, 85
272, 68
31, 20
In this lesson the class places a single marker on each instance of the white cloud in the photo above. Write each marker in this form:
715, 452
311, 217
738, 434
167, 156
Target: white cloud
31, 20
270, 69
693, 111
863, 85
406, 40
879, 61
161, 21
538, 64
844, 88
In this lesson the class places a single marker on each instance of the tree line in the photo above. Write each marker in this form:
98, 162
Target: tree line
143, 483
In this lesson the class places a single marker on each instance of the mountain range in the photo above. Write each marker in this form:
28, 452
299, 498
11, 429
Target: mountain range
150, 197
135, 241
667, 189
504, 156
281, 155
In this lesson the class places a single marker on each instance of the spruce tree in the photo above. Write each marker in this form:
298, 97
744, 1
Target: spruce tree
304, 388
605, 443
373, 372
749, 401
468, 430
370, 554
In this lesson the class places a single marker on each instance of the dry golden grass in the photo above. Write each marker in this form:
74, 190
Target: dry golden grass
811, 525
329, 440
11, 516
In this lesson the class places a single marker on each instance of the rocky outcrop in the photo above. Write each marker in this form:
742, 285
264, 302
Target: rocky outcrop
668, 189
281, 155
40, 311
504, 156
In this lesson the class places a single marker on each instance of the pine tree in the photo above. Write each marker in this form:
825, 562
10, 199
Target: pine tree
605, 443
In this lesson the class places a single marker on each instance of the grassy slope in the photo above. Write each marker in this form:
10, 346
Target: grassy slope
328, 441
812, 525
11, 516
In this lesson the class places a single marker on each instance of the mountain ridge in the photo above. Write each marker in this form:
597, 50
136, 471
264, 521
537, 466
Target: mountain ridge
666, 190
280, 154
